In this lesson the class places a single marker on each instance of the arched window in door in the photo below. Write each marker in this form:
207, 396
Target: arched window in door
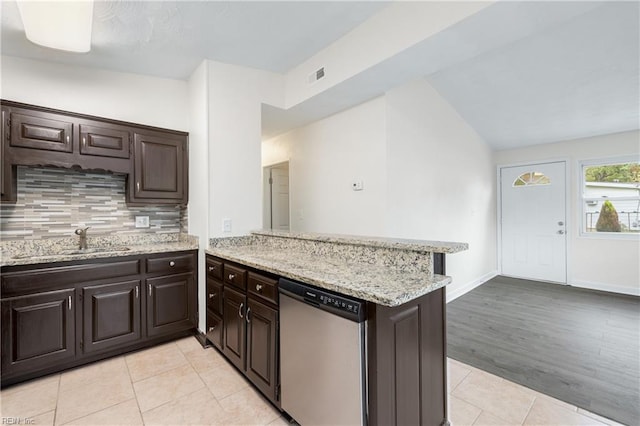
531, 179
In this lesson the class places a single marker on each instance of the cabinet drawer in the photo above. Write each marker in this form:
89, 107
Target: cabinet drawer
214, 268
214, 329
214, 296
171, 264
263, 287
235, 276
25, 282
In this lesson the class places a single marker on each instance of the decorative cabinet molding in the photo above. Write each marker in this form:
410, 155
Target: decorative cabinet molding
155, 160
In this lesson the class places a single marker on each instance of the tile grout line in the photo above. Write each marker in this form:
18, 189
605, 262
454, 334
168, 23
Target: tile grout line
55, 413
135, 395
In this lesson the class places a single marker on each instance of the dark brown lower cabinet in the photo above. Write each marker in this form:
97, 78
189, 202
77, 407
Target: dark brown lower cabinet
61, 315
111, 315
235, 329
262, 330
38, 330
243, 323
171, 304
215, 330
407, 362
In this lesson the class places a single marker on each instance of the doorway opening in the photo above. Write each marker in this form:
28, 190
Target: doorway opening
275, 211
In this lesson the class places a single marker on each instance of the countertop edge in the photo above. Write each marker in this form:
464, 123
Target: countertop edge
422, 246
435, 283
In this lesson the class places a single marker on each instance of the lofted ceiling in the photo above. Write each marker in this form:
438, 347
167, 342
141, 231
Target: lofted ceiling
519, 72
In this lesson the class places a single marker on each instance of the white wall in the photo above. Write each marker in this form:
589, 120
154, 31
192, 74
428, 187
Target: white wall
610, 264
427, 175
441, 181
199, 173
153, 101
325, 157
235, 177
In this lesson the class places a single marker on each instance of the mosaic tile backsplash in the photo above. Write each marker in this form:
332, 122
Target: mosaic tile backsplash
54, 202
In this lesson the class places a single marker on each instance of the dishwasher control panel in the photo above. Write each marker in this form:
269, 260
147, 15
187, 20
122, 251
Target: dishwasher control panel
323, 299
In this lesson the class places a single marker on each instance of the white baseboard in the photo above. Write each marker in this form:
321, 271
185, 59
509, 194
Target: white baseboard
606, 287
470, 286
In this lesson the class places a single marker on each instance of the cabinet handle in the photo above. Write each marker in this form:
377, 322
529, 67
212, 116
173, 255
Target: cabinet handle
69, 302
211, 268
172, 263
231, 277
240, 310
248, 312
211, 329
84, 141
137, 186
258, 287
150, 289
212, 295
137, 292
67, 139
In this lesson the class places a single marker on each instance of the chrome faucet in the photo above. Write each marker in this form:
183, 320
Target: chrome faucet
82, 233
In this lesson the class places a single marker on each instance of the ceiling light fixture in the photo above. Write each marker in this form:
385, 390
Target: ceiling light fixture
64, 25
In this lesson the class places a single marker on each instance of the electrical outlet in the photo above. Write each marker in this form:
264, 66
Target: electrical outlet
142, 221
226, 225
357, 185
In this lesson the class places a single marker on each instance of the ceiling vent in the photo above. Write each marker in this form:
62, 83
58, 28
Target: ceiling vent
316, 75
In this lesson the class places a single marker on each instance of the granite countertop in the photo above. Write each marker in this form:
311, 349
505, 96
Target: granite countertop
365, 274
424, 246
29, 252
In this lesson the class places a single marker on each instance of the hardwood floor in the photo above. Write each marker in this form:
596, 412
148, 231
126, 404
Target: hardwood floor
580, 346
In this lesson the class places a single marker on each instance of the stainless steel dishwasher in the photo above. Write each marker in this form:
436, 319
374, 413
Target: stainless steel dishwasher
322, 356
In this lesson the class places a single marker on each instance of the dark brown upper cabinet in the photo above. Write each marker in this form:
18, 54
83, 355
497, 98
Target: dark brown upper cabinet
104, 140
155, 160
160, 171
41, 130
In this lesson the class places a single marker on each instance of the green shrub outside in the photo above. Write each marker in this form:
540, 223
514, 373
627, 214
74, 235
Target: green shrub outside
608, 219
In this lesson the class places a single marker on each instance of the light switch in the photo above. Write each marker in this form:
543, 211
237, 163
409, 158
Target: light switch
226, 225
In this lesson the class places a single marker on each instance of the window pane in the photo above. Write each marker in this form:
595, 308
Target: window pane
531, 178
612, 198
601, 218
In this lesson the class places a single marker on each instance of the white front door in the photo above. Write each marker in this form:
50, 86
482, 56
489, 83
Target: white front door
533, 221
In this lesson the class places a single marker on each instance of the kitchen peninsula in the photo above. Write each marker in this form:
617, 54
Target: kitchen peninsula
401, 283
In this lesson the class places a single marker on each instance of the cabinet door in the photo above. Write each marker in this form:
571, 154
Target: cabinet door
262, 329
171, 304
41, 130
104, 140
159, 171
111, 315
235, 305
38, 331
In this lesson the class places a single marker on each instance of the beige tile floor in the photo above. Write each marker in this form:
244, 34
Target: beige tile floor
180, 383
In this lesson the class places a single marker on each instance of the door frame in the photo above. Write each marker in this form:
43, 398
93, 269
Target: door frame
265, 201
569, 217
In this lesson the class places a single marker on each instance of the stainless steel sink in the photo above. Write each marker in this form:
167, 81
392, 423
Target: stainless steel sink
72, 252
